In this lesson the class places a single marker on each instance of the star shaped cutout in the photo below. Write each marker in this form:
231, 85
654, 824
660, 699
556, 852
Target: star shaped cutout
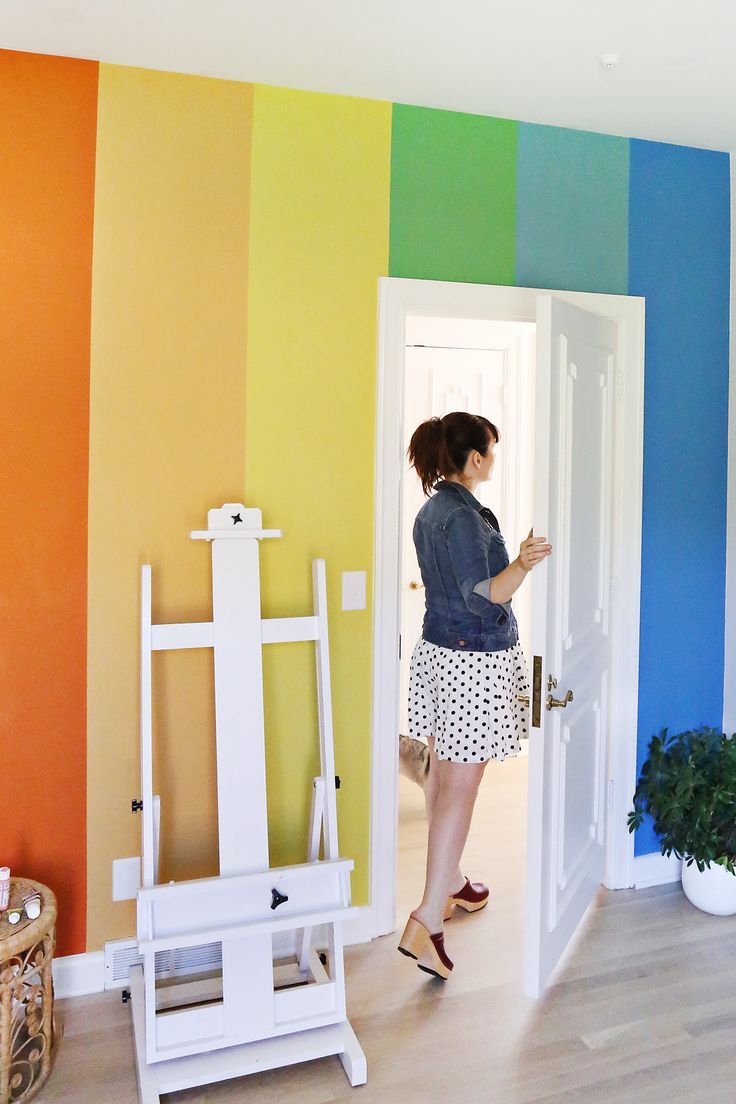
236, 518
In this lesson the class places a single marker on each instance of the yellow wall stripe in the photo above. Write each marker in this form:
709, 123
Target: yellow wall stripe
318, 243
167, 442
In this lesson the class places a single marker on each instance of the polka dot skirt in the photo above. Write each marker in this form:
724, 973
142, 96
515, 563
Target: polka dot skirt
468, 701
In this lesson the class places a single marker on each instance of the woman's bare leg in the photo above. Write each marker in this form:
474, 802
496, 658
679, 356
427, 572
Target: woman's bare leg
431, 792
432, 783
452, 811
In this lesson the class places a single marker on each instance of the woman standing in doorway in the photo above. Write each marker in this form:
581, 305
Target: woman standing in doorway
467, 669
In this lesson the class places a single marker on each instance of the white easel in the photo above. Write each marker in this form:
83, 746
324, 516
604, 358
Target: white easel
265, 1010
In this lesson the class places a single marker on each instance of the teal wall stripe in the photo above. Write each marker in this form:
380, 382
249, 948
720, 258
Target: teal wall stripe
572, 210
453, 196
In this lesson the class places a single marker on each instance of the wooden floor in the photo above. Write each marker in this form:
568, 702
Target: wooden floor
643, 1012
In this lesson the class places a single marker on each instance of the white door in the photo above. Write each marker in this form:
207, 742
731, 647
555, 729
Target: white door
575, 376
488, 381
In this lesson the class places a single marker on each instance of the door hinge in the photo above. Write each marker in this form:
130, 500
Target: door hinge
619, 385
610, 793
614, 591
399, 645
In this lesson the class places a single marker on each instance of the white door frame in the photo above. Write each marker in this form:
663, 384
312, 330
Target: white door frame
399, 299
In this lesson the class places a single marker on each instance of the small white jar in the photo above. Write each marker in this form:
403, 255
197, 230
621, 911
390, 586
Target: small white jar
711, 890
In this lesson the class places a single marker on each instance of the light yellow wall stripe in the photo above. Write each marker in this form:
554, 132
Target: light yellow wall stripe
319, 241
167, 442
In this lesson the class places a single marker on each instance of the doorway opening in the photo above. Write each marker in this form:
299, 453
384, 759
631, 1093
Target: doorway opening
479, 366
621, 369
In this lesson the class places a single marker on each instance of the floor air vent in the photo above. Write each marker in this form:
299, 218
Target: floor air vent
121, 954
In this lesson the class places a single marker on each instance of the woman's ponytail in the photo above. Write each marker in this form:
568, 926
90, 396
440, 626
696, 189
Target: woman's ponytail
428, 453
441, 446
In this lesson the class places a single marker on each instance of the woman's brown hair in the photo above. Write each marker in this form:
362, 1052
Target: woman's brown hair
441, 446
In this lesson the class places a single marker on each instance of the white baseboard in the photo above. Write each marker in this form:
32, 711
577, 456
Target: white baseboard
362, 927
656, 869
78, 975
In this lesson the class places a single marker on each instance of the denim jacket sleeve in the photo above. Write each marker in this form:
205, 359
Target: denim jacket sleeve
468, 555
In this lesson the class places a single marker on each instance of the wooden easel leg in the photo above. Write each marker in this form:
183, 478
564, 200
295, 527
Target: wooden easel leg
315, 837
353, 1058
156, 835
147, 1090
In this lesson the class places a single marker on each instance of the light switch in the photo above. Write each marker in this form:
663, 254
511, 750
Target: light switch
353, 590
126, 878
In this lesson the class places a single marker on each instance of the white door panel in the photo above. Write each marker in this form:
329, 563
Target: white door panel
571, 598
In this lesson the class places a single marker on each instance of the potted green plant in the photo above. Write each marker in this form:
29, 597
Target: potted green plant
688, 787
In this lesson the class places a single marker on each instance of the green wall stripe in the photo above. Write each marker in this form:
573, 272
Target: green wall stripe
453, 196
572, 210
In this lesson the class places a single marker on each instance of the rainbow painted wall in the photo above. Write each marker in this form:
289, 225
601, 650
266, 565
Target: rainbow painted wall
189, 289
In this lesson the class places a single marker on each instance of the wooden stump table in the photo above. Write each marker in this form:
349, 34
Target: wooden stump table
26, 995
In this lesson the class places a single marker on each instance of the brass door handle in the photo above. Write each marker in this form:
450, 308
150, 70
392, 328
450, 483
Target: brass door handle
416, 586
523, 698
559, 703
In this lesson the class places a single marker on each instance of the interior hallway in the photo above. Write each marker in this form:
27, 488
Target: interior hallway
644, 1011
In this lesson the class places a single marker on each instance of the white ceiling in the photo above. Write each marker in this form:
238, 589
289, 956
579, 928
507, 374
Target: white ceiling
536, 60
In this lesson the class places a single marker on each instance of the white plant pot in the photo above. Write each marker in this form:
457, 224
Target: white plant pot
712, 890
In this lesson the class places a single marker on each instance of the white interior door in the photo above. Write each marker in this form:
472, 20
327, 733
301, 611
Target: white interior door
575, 378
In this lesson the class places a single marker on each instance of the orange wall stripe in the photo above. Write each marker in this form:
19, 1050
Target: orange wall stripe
47, 164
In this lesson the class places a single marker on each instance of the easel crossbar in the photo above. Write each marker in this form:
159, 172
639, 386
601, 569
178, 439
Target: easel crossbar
165, 638
201, 634
225, 883
254, 927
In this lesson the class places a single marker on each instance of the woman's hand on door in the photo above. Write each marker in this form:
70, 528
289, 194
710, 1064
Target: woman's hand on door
533, 550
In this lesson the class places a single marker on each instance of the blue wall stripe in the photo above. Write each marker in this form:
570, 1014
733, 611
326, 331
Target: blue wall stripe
679, 245
572, 210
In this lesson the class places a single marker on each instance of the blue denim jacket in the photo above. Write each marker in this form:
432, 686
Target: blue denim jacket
457, 548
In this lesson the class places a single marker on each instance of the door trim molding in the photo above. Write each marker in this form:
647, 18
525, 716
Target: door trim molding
656, 869
399, 299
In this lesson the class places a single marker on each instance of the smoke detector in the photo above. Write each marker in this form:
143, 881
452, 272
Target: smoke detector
610, 61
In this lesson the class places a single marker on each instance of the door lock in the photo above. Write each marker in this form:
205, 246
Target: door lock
551, 683
559, 703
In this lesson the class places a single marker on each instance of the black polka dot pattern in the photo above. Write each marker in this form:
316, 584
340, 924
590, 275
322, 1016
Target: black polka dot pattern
468, 701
